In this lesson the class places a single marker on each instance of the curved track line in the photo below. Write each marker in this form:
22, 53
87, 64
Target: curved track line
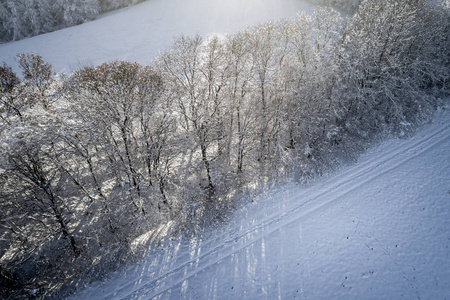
373, 168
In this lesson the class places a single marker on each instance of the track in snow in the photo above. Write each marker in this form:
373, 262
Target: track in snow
238, 252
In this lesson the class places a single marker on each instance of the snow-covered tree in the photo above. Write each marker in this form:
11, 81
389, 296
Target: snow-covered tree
182, 68
350, 6
74, 12
240, 101
11, 100
122, 100
94, 159
388, 61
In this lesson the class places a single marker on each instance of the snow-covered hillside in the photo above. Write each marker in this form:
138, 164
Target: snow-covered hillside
379, 229
140, 32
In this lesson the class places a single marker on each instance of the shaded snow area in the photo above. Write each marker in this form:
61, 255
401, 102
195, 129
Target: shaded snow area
379, 229
138, 33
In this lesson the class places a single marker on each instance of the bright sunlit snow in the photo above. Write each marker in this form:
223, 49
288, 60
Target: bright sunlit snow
379, 229
140, 32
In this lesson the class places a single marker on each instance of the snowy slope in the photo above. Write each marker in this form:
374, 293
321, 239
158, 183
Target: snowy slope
138, 33
379, 229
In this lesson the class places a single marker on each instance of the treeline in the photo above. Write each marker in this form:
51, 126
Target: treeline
92, 160
25, 18
348, 6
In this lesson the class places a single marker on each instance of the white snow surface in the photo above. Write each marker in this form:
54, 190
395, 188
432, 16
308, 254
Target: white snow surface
138, 33
378, 229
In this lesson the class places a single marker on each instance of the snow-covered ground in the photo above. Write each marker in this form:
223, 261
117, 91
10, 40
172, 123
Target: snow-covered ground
379, 229
138, 33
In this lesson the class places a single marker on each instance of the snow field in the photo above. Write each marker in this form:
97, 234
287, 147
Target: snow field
140, 32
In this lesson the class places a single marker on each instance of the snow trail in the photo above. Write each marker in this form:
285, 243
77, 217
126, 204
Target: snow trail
252, 256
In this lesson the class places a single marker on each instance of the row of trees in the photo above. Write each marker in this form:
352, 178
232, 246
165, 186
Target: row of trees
348, 6
25, 18
92, 160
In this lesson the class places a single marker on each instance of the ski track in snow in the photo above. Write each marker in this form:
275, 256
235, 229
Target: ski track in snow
236, 261
372, 169
172, 267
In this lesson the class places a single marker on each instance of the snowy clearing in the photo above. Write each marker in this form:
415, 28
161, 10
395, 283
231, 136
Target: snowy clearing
140, 32
376, 230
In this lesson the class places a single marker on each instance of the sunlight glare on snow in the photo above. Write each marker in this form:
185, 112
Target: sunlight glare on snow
140, 32
156, 234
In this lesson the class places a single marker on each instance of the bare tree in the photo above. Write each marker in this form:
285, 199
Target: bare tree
37, 182
197, 95
241, 77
